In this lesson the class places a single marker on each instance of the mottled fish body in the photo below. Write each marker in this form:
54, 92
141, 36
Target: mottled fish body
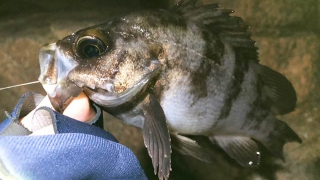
186, 71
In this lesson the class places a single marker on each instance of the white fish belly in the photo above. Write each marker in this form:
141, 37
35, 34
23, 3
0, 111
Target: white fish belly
188, 114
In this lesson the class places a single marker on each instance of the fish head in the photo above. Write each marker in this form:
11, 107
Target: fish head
109, 62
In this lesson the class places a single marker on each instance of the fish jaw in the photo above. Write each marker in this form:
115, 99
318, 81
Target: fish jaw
111, 99
54, 68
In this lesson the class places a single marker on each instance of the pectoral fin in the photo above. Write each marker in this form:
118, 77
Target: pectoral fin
243, 149
156, 136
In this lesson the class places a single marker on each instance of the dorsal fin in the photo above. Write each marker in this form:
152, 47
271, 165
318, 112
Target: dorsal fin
228, 28
281, 93
182, 6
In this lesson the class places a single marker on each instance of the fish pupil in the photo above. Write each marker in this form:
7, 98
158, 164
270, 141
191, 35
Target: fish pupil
91, 50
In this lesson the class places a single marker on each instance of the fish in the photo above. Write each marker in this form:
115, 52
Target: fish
187, 75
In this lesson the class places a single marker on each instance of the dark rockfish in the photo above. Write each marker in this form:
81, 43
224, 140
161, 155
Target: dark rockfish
186, 71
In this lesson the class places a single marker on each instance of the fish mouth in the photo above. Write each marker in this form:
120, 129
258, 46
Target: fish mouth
55, 66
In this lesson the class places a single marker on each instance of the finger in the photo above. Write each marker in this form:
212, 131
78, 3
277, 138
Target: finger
80, 109
44, 131
26, 121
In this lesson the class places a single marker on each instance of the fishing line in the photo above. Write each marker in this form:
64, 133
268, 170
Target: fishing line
24, 84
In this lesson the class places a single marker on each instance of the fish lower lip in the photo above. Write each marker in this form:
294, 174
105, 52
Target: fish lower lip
50, 89
107, 98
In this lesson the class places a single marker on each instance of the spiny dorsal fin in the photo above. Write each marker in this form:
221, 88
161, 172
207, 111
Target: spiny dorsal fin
228, 28
182, 6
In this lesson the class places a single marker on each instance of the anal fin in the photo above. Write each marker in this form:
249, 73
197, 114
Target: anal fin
187, 146
242, 149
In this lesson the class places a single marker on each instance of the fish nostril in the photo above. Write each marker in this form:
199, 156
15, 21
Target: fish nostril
110, 87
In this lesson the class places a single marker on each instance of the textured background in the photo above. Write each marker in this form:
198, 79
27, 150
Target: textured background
287, 34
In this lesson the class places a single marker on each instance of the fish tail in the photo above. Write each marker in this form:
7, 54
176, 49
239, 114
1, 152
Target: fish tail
279, 134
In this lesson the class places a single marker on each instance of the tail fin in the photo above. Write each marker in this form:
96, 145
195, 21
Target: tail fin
280, 134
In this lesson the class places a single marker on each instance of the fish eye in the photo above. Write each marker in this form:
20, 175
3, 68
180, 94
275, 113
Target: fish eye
92, 43
90, 46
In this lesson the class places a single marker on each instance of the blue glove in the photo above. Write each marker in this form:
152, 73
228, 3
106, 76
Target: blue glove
77, 150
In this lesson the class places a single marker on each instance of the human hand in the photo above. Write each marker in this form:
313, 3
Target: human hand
79, 109
79, 150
